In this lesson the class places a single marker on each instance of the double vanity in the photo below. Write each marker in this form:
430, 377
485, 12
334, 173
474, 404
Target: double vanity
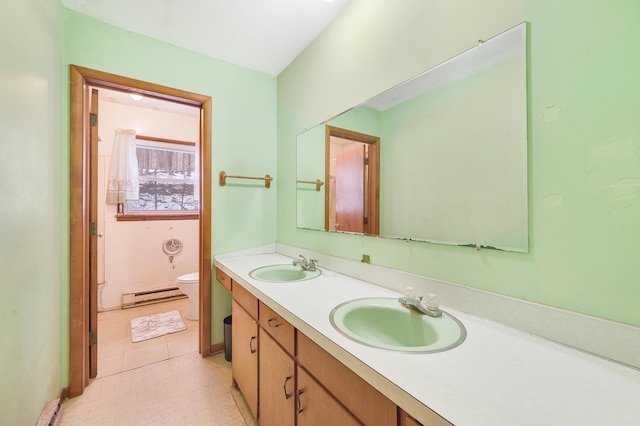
314, 346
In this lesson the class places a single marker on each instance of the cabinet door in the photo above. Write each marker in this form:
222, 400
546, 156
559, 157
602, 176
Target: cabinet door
430, 419
363, 400
315, 406
406, 420
244, 365
277, 384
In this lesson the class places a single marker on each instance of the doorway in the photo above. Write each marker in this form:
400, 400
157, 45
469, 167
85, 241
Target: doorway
83, 211
352, 198
137, 273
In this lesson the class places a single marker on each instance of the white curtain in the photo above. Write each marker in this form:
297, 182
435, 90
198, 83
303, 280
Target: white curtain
123, 185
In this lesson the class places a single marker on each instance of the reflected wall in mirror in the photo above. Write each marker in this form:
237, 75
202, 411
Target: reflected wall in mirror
453, 152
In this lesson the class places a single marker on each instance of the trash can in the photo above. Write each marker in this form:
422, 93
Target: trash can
227, 338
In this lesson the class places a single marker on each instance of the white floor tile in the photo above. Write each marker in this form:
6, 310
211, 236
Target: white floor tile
162, 381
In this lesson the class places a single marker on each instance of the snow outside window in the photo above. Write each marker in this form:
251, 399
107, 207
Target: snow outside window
167, 174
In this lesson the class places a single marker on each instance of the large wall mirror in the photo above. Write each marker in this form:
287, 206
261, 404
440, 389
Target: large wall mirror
450, 158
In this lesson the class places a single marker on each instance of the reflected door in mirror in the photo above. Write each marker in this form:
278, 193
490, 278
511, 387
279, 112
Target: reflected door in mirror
349, 192
352, 196
455, 153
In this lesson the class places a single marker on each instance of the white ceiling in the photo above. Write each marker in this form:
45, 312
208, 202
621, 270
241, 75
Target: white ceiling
124, 98
263, 35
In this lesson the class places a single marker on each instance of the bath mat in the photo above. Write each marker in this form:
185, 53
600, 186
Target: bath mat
144, 328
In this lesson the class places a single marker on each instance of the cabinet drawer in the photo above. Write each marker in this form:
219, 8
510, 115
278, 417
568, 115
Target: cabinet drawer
245, 299
223, 278
277, 327
362, 399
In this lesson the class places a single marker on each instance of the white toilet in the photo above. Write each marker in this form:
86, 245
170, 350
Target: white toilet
188, 284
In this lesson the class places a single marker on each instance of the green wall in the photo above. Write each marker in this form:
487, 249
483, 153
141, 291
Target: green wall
39, 41
33, 253
584, 170
243, 132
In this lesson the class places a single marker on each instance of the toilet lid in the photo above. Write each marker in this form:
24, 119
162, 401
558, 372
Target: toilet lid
189, 278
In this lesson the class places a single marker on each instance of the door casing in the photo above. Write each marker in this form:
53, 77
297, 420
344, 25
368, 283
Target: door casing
372, 183
80, 197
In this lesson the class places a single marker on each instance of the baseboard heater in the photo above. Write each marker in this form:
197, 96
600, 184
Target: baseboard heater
51, 413
139, 298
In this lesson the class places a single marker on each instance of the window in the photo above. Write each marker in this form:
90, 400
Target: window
167, 172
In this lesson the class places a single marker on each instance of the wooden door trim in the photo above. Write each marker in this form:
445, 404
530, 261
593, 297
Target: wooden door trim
373, 184
92, 159
78, 242
81, 77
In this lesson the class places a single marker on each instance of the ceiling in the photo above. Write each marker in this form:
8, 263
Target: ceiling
263, 35
124, 98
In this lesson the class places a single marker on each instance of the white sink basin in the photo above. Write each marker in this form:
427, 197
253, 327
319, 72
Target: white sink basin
384, 323
283, 273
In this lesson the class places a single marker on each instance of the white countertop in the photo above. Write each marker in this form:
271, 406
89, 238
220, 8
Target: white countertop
498, 376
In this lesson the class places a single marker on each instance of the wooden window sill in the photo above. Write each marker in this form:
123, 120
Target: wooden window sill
162, 216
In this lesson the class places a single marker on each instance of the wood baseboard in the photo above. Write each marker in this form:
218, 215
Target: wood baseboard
217, 348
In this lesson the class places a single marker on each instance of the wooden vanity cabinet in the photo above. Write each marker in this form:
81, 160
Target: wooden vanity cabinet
432, 419
316, 407
363, 400
279, 328
406, 420
244, 345
277, 384
245, 299
277, 379
280, 400
223, 279
292, 381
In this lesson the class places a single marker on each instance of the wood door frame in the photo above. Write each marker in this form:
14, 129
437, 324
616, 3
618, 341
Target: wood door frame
92, 158
373, 182
79, 192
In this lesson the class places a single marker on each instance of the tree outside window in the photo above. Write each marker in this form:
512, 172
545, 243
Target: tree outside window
168, 178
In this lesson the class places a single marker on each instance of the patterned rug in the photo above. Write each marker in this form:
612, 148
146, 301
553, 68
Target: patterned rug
145, 328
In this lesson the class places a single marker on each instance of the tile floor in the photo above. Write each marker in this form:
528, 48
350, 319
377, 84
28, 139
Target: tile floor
116, 352
161, 381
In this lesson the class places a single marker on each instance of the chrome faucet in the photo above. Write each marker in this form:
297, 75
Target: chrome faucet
430, 307
307, 265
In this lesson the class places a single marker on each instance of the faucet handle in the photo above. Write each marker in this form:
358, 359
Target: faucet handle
432, 302
302, 262
410, 292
